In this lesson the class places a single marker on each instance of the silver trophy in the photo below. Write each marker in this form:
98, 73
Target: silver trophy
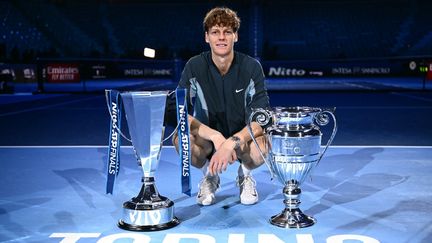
292, 150
149, 211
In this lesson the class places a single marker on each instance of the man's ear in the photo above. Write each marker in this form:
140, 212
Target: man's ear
206, 37
236, 37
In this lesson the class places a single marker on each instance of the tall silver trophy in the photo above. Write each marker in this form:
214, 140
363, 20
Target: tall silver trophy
149, 211
293, 149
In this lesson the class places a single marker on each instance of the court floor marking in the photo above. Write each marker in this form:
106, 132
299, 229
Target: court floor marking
394, 86
47, 106
357, 86
412, 96
70, 102
383, 107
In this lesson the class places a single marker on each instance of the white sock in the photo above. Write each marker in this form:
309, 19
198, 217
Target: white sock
204, 169
243, 171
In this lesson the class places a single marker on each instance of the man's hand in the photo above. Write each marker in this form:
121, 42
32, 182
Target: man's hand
224, 154
218, 140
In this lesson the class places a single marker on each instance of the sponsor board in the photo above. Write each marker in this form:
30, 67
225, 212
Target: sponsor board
146, 72
361, 70
68, 71
62, 73
98, 71
341, 68
280, 72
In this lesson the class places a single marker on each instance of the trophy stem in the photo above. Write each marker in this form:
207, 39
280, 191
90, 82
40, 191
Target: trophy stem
148, 194
149, 211
292, 216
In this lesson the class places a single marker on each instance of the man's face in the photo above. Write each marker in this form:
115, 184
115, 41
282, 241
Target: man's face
221, 40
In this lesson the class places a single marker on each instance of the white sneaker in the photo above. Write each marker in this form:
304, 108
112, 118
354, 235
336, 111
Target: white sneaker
248, 192
208, 186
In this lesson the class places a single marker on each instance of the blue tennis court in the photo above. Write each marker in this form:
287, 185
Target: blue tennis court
57, 58
357, 194
371, 186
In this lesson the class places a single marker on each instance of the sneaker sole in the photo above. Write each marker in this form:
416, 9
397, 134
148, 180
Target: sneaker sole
206, 203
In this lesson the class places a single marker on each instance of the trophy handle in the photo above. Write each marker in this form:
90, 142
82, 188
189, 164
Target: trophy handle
178, 123
111, 117
130, 140
263, 118
161, 143
322, 119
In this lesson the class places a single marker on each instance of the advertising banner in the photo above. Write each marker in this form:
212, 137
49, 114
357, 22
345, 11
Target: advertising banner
154, 69
63, 73
338, 68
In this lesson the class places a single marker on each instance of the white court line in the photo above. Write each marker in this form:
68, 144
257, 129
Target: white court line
384, 107
411, 96
69, 102
47, 106
356, 85
388, 84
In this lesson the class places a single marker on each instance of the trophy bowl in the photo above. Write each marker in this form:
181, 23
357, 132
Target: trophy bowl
293, 149
149, 211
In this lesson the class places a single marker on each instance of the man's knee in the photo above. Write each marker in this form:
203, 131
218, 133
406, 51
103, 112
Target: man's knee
201, 149
254, 156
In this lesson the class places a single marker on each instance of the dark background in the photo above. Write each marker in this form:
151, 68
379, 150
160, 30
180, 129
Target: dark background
353, 43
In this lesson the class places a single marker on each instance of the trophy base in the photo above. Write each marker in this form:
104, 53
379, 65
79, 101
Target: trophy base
133, 227
138, 216
292, 218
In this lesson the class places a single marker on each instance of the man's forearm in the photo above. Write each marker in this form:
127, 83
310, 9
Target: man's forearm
244, 134
202, 130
